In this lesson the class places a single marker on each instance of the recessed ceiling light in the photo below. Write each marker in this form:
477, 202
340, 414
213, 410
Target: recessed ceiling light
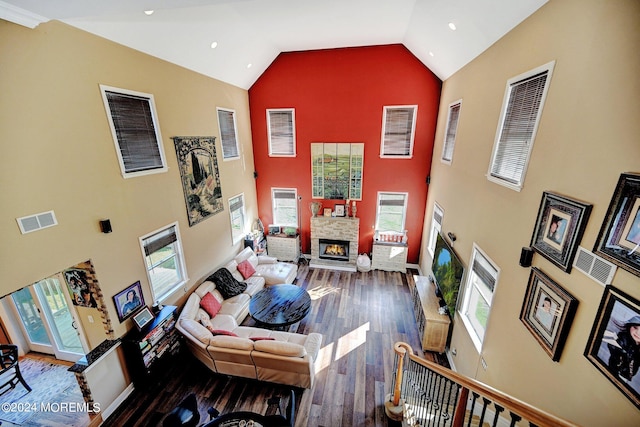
249, 65
214, 45
452, 26
148, 12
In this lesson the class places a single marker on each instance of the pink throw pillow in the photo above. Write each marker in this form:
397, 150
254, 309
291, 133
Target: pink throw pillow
262, 338
246, 269
210, 304
222, 332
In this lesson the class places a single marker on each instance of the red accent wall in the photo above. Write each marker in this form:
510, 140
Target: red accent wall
338, 96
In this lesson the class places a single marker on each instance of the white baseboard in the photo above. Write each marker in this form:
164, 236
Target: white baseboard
106, 413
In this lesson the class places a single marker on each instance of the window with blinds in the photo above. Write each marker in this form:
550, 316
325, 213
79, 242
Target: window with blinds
391, 211
479, 289
164, 261
136, 134
450, 133
398, 128
519, 119
285, 206
237, 213
228, 134
436, 227
281, 132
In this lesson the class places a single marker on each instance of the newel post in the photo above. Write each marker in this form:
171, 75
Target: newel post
393, 406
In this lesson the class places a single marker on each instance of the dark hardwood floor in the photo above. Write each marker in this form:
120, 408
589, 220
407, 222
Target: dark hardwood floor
361, 315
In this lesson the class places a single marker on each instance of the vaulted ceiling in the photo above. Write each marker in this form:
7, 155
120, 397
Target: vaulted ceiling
249, 34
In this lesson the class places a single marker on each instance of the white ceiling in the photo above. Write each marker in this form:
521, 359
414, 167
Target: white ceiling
256, 31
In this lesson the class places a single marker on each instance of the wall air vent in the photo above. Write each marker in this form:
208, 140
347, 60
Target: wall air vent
37, 222
596, 268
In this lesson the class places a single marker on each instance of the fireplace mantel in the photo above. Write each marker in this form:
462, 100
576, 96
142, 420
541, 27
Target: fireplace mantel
336, 229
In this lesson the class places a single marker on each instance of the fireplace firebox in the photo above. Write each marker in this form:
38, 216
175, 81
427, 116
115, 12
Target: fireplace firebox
337, 250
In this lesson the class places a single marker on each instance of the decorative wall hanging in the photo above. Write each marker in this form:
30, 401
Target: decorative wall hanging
547, 312
336, 170
559, 228
619, 237
613, 343
200, 176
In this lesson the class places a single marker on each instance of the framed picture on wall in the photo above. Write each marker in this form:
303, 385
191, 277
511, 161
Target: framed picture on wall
559, 228
614, 342
547, 312
339, 209
128, 301
619, 237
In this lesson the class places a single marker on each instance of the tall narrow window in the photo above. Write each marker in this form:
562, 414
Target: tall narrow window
282, 132
478, 295
391, 212
236, 210
134, 126
450, 134
285, 206
228, 134
519, 119
436, 227
398, 128
164, 260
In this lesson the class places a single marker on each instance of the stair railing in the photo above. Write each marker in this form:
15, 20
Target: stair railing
427, 394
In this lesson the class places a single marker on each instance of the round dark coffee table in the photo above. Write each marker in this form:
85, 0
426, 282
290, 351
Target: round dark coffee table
277, 306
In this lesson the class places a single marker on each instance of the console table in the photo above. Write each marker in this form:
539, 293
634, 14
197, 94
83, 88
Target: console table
433, 326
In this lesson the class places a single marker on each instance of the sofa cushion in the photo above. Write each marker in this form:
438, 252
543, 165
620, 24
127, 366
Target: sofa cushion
280, 348
226, 284
210, 304
246, 269
198, 331
232, 342
217, 332
205, 320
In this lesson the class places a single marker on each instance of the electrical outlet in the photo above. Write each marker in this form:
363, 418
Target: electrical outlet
90, 318
484, 363
454, 351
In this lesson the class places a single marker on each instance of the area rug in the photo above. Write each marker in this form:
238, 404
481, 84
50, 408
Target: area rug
49, 383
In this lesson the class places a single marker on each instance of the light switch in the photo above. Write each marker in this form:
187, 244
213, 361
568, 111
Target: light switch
90, 318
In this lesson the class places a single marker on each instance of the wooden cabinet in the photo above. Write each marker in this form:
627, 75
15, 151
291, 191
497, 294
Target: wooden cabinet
433, 326
283, 247
149, 351
389, 256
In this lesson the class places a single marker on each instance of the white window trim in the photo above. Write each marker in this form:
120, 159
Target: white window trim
404, 208
154, 117
235, 132
505, 103
386, 108
477, 340
436, 227
293, 129
180, 261
273, 206
240, 236
452, 142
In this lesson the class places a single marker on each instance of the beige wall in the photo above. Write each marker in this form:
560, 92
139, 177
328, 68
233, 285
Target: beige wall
58, 153
588, 135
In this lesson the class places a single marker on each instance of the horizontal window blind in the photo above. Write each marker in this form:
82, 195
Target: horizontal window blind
159, 240
398, 131
236, 203
135, 131
281, 132
228, 138
519, 125
450, 135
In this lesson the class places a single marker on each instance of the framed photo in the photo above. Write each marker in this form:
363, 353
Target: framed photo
619, 237
547, 312
614, 343
143, 317
128, 301
274, 229
339, 209
559, 228
327, 211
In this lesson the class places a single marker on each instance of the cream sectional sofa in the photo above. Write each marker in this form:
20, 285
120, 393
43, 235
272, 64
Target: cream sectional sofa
266, 267
274, 356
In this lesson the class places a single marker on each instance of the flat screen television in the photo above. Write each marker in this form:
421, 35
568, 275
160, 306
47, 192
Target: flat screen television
447, 273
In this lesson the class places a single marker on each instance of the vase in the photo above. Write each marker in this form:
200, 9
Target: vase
315, 208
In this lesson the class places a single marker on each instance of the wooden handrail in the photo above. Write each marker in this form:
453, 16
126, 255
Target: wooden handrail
527, 411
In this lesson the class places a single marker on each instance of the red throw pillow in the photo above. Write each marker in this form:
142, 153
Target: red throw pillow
222, 332
262, 338
210, 304
246, 269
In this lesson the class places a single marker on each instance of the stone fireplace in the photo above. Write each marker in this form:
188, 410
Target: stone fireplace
334, 243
